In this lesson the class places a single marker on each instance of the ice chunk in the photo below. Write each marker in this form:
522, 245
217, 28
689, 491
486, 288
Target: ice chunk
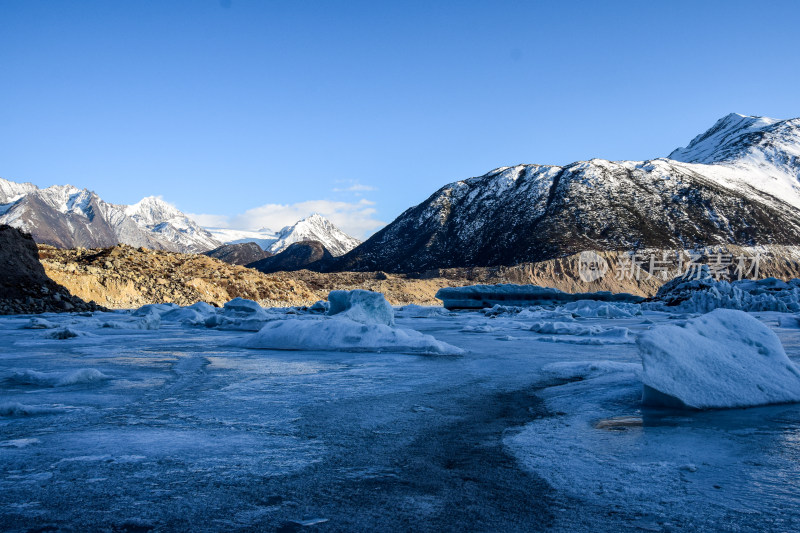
596, 309
242, 305
564, 328
570, 370
575, 333
478, 329
193, 314
158, 309
362, 306
65, 333
319, 307
700, 293
40, 323
614, 335
56, 379
480, 296
343, 334
419, 311
725, 358
150, 321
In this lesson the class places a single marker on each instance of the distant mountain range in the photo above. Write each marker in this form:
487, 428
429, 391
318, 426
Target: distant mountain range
737, 183
312, 228
69, 217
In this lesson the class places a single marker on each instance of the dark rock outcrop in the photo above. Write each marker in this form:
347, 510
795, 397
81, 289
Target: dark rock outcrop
239, 254
24, 286
310, 255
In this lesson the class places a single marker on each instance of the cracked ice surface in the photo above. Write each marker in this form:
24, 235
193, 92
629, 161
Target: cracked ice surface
178, 428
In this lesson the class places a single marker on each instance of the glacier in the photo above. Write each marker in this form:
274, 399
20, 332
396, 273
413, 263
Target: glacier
182, 427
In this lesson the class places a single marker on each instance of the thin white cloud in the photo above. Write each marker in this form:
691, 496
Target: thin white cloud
210, 221
354, 218
356, 187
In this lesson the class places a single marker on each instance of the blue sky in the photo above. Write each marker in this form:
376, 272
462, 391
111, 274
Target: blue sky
259, 112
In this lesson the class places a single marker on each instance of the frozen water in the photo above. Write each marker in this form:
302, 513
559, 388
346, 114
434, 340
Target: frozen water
188, 431
725, 358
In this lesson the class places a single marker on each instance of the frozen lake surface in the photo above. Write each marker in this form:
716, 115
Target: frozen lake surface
177, 428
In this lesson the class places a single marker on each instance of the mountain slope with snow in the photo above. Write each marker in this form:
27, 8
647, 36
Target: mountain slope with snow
312, 228
68, 217
735, 184
749, 153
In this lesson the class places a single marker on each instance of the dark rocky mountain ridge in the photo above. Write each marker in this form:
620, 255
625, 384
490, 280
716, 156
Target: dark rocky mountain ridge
531, 213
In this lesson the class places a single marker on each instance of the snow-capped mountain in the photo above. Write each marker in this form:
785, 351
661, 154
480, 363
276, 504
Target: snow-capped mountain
68, 217
746, 153
737, 183
312, 228
315, 228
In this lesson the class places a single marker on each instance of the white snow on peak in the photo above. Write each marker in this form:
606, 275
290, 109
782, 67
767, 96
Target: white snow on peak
154, 214
152, 222
312, 228
315, 228
153, 210
728, 132
11, 191
748, 152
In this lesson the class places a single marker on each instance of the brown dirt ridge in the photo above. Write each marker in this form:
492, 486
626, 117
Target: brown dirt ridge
126, 277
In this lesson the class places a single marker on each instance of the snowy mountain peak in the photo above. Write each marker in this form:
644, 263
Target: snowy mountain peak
66, 216
314, 227
11, 191
731, 137
153, 210
749, 152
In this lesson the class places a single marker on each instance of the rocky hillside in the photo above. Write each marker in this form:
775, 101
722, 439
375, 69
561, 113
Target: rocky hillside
24, 286
239, 254
737, 184
299, 255
125, 277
